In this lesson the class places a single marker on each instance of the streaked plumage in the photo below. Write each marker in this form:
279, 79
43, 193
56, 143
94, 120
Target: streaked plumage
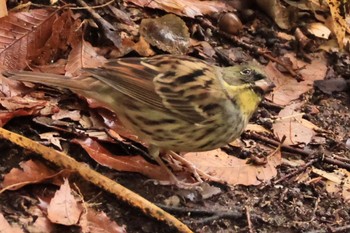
176, 103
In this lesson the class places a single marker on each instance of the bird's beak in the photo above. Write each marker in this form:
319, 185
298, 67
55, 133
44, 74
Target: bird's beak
265, 85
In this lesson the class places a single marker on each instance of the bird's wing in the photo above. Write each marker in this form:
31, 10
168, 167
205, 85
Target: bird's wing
161, 84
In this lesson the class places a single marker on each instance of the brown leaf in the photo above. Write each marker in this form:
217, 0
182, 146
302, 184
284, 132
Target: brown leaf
292, 125
338, 182
189, 8
53, 138
83, 54
169, 33
31, 172
19, 106
233, 170
57, 43
22, 34
288, 88
64, 207
99, 222
122, 163
143, 48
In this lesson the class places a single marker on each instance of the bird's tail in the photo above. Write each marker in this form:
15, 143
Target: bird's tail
80, 83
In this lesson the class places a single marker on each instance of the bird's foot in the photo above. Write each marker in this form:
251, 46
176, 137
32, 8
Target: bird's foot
198, 174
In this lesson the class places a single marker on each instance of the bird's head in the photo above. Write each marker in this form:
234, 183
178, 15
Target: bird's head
246, 85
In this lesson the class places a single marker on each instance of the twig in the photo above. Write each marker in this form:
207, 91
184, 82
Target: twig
276, 143
346, 160
300, 169
215, 214
337, 162
250, 225
315, 209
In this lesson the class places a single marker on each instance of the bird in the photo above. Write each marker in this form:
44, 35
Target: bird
174, 103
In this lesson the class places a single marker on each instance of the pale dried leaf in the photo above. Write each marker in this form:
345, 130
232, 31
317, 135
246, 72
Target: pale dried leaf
257, 128
73, 115
31, 172
98, 222
319, 30
64, 207
233, 170
291, 124
288, 88
337, 181
169, 33
52, 138
122, 163
3, 8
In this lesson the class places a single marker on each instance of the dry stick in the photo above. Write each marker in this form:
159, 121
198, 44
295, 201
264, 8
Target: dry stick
300, 169
63, 160
250, 224
337, 162
232, 213
276, 143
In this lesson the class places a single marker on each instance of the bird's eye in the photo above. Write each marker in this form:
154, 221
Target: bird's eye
246, 72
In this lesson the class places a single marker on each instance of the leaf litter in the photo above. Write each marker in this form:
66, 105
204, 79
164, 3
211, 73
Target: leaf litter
81, 52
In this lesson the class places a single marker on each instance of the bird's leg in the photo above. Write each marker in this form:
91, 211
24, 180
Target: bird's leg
154, 152
198, 173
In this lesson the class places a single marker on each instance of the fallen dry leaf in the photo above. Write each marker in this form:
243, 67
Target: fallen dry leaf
73, 115
143, 48
52, 137
288, 88
169, 33
338, 182
233, 170
34, 27
19, 106
64, 207
122, 163
319, 30
83, 54
3, 8
31, 172
57, 42
98, 222
290, 123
